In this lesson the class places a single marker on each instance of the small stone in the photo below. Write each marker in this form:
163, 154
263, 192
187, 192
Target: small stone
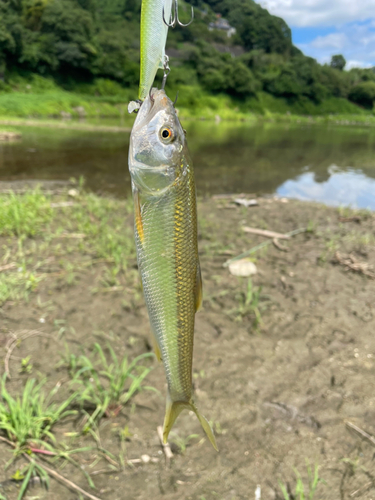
145, 458
245, 203
243, 267
73, 193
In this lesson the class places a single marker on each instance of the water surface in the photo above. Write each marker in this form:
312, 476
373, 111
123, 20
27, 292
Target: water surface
332, 164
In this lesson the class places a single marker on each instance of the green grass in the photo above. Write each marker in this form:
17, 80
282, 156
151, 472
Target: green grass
41, 97
59, 102
302, 491
181, 442
34, 231
28, 419
249, 304
103, 226
105, 385
17, 285
24, 215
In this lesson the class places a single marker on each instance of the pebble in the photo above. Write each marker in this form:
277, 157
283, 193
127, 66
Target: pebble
243, 267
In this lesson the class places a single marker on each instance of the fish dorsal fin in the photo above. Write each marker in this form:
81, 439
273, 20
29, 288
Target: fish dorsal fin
138, 215
198, 289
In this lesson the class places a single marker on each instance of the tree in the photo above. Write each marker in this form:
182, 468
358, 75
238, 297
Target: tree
338, 62
363, 94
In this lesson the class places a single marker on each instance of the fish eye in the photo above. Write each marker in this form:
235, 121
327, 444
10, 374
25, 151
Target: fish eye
167, 134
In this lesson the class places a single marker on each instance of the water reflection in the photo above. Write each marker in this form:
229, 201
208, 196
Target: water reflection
290, 160
341, 188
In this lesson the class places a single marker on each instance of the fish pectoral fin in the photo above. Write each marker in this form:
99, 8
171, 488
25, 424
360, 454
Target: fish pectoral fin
172, 412
198, 289
138, 215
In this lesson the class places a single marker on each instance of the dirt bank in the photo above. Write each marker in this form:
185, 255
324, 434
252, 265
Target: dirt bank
279, 389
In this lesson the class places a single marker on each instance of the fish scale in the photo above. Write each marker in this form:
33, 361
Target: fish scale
168, 267
167, 246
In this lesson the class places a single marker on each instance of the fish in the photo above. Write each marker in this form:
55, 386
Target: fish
165, 207
154, 33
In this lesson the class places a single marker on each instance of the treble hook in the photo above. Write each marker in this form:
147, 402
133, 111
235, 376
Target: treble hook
174, 20
167, 70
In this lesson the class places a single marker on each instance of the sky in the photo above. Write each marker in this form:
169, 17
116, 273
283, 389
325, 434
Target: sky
322, 28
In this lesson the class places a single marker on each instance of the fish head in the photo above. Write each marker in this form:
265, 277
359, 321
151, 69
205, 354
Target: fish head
156, 146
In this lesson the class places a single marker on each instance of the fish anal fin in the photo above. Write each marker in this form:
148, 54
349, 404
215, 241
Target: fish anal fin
172, 412
155, 347
138, 215
198, 289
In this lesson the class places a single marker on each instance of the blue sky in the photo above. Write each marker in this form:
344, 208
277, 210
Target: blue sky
321, 28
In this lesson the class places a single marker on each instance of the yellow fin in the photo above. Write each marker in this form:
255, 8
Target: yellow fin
198, 289
156, 347
138, 215
172, 412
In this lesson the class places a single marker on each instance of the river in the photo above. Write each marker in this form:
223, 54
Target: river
326, 163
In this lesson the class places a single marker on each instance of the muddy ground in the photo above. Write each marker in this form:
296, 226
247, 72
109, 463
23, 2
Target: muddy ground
278, 393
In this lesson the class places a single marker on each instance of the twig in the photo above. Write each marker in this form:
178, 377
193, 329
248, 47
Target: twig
12, 265
44, 452
352, 264
262, 245
62, 204
277, 244
363, 434
355, 218
166, 448
78, 236
258, 493
65, 481
13, 342
53, 473
362, 489
264, 232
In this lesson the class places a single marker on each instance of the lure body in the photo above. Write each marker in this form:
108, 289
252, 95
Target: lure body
166, 240
153, 39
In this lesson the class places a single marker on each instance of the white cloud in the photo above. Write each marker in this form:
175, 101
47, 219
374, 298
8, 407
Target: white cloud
358, 64
337, 41
355, 41
342, 188
320, 12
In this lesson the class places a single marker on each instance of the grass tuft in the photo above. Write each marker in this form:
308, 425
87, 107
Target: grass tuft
302, 493
24, 215
28, 419
106, 386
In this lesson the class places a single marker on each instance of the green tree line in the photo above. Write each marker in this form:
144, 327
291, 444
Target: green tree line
78, 42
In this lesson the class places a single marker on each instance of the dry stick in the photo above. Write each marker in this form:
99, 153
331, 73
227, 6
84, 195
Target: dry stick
351, 263
166, 448
262, 245
264, 232
363, 434
277, 244
13, 342
12, 265
53, 473
362, 489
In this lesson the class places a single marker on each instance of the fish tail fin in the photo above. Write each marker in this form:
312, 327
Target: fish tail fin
175, 408
172, 411
205, 424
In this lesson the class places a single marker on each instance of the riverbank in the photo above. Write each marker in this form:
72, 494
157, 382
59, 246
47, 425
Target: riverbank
282, 359
36, 102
